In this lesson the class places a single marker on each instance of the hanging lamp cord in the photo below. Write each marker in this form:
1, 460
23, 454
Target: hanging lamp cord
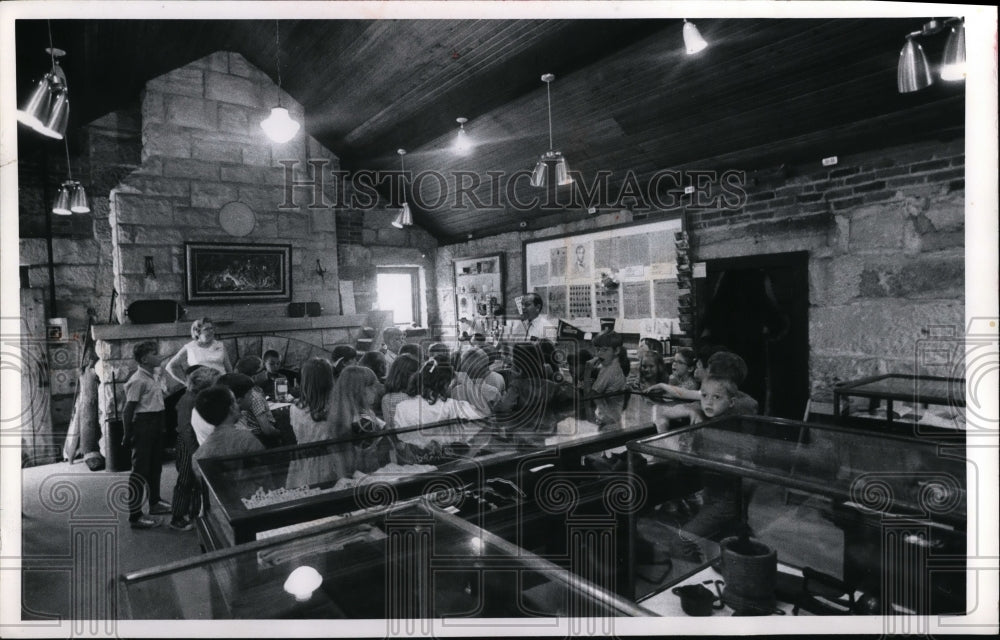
402, 168
52, 59
277, 55
548, 93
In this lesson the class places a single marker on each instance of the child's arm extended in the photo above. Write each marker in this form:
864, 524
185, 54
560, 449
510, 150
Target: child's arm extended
671, 391
127, 416
664, 414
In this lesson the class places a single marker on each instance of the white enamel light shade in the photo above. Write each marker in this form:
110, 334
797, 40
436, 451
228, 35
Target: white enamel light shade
953, 63
279, 126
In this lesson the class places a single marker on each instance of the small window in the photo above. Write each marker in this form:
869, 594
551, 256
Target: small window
398, 291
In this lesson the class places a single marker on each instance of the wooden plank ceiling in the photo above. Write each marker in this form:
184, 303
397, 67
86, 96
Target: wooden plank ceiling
626, 97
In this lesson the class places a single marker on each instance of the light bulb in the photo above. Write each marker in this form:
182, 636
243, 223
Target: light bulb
279, 126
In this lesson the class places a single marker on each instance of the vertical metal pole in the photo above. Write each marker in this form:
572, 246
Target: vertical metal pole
46, 206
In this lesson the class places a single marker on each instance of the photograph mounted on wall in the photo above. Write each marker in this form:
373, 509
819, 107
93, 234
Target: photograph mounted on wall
226, 272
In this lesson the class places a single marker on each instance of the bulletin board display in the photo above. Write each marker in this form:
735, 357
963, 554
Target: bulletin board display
479, 291
625, 272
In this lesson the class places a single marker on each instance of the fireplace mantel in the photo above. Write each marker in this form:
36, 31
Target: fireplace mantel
226, 328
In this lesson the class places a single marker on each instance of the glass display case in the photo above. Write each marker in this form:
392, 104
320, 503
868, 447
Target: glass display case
412, 561
929, 401
801, 518
252, 496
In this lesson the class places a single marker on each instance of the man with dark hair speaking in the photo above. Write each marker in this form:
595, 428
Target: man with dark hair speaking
534, 324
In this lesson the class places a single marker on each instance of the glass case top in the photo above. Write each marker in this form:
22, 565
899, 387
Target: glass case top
875, 471
255, 483
414, 561
894, 386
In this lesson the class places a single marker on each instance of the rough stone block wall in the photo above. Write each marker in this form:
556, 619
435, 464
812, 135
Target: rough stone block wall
885, 232
201, 149
373, 242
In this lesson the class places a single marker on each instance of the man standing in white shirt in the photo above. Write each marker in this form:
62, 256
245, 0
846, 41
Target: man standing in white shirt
534, 323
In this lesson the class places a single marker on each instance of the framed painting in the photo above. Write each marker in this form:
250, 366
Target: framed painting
218, 272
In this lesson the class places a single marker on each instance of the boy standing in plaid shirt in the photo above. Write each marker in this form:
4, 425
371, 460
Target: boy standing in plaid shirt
143, 418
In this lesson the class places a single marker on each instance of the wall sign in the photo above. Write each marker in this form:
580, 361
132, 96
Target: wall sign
628, 272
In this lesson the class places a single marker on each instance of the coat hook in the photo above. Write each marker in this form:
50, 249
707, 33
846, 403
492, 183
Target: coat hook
320, 271
150, 269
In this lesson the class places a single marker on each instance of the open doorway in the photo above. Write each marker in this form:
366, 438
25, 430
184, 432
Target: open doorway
398, 290
758, 307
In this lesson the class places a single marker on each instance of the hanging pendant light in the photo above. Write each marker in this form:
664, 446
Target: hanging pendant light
37, 108
539, 174
62, 204
913, 73
953, 63
47, 110
279, 126
78, 202
693, 42
72, 198
404, 218
463, 145
55, 125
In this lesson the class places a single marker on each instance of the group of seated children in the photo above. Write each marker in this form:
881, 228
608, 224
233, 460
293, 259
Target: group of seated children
227, 413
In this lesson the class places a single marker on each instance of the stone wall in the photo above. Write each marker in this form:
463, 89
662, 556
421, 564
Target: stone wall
885, 236
201, 149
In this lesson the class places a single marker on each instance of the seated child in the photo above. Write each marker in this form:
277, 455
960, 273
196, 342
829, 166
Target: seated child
682, 374
242, 387
397, 381
272, 370
430, 402
614, 366
258, 413
652, 371
217, 405
529, 392
351, 412
344, 355
470, 382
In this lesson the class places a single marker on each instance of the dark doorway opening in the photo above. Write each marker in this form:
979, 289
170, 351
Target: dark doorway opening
758, 307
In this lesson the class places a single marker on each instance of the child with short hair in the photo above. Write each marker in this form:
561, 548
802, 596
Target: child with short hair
217, 405
344, 355
614, 366
143, 422
272, 370
258, 416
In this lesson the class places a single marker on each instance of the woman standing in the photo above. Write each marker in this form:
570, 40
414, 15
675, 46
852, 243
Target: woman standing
203, 349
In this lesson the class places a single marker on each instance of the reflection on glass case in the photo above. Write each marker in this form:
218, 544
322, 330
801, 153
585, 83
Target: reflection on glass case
412, 561
759, 515
250, 496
